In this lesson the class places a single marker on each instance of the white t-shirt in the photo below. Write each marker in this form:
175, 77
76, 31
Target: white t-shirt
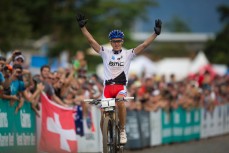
116, 64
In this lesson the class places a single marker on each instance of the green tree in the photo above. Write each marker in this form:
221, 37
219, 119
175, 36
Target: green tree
177, 25
217, 50
31, 19
14, 24
103, 16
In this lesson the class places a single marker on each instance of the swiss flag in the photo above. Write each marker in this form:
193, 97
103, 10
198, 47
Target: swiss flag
57, 128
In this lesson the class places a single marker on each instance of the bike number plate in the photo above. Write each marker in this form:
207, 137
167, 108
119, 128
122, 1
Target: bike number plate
109, 103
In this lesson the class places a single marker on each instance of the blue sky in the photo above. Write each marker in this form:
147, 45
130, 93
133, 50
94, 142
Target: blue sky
199, 15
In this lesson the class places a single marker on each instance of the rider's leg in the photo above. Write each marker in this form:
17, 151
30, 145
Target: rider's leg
121, 112
122, 119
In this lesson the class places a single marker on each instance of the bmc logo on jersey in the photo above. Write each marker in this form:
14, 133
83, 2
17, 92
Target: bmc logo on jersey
116, 63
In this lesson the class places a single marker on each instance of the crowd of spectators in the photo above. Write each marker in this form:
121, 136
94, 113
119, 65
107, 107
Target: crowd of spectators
68, 87
200, 90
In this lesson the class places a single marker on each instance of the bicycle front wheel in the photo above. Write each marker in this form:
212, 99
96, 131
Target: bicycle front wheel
109, 144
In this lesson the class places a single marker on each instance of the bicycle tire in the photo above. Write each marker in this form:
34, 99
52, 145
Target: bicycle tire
121, 149
117, 132
109, 145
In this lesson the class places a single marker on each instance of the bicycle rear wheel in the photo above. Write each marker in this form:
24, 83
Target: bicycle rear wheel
109, 144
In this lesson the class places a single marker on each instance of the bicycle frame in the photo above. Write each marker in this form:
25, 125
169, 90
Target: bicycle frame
110, 129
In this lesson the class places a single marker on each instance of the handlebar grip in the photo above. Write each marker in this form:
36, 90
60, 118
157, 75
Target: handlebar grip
128, 98
88, 100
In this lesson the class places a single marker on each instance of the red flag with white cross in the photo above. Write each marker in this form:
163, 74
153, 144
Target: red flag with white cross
57, 128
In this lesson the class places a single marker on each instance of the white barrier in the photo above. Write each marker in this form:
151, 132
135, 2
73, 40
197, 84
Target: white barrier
205, 124
226, 118
218, 117
155, 124
215, 123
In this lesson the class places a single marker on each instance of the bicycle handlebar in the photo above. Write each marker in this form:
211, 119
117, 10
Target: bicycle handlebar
97, 101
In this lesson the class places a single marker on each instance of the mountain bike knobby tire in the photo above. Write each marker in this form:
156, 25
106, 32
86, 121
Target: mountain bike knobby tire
109, 136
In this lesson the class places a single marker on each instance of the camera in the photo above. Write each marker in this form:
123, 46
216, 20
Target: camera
17, 53
7, 68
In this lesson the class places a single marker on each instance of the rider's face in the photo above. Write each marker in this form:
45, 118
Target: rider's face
116, 43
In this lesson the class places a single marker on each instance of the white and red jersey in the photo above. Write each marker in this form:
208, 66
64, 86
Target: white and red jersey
116, 66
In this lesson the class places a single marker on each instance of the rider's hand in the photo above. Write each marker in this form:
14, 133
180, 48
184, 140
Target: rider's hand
81, 20
157, 28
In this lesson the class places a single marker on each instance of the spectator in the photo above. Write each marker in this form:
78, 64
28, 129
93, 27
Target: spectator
48, 89
6, 94
17, 86
2, 79
145, 93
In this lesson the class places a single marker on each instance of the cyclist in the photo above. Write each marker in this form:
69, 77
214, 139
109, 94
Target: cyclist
116, 64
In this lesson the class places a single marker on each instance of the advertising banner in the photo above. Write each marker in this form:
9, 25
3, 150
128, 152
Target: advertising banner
196, 120
144, 128
226, 118
218, 121
133, 130
17, 130
155, 125
167, 135
188, 125
178, 124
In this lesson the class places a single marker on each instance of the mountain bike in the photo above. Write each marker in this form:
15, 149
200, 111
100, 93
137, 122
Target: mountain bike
111, 128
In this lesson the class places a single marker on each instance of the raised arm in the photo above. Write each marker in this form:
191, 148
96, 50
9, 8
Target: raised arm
82, 22
146, 43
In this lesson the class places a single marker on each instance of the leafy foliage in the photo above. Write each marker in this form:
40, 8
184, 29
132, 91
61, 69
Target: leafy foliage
177, 25
14, 27
217, 50
31, 19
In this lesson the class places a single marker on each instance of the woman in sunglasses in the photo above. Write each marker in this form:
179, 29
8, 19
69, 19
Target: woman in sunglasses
116, 64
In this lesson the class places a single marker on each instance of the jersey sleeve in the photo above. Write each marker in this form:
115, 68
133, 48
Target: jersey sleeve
101, 51
130, 54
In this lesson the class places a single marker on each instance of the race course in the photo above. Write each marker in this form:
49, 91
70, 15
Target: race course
218, 144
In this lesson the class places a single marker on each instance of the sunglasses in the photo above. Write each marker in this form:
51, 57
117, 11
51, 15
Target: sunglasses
116, 41
19, 72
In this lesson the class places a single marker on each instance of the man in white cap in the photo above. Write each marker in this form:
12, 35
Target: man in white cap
19, 59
